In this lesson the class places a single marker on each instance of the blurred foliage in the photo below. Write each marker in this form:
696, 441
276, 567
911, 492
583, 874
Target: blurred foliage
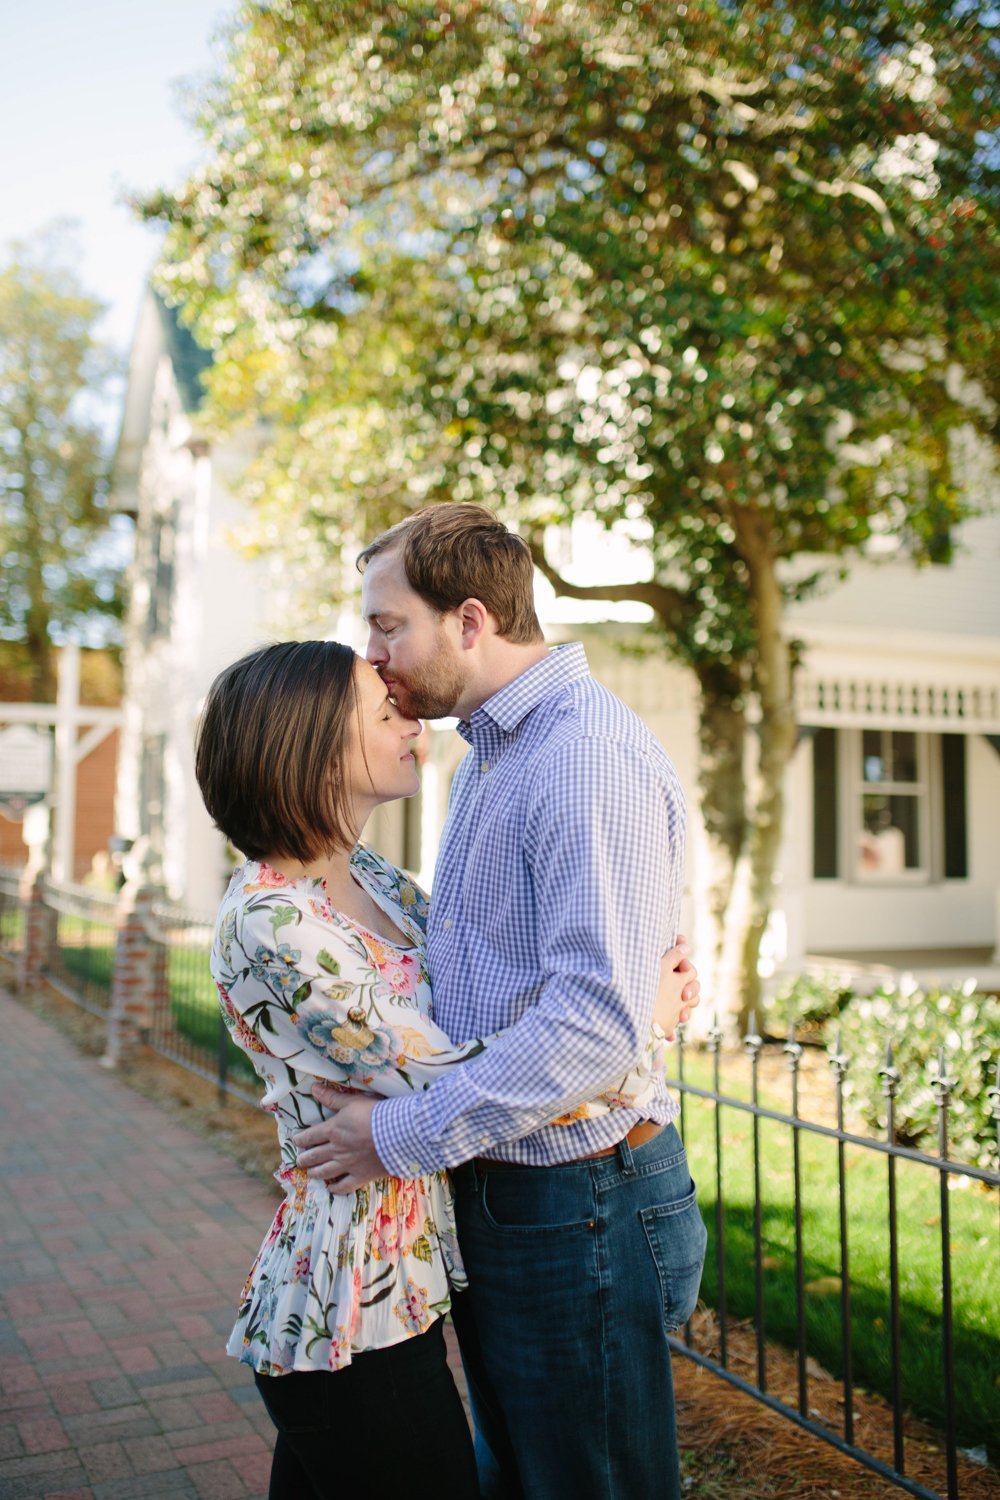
705, 266
917, 1023
53, 516
807, 1002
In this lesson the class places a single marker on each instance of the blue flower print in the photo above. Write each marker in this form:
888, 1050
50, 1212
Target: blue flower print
352, 1044
277, 968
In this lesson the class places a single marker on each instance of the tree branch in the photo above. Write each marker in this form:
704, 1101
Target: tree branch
671, 606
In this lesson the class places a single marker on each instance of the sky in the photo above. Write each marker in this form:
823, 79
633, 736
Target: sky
89, 109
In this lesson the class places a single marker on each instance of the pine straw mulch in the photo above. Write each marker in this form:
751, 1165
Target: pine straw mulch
735, 1448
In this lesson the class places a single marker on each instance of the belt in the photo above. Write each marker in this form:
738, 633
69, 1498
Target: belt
645, 1131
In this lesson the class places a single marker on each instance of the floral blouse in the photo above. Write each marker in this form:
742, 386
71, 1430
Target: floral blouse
307, 994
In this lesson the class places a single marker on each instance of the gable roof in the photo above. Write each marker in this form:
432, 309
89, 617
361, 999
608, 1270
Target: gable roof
159, 335
190, 359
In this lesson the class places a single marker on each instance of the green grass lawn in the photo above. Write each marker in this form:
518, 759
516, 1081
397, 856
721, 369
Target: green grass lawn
194, 1001
973, 1213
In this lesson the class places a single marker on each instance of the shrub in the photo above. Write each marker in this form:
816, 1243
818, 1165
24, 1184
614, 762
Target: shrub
808, 1001
919, 1023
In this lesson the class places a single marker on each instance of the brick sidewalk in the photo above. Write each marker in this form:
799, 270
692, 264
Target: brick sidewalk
124, 1242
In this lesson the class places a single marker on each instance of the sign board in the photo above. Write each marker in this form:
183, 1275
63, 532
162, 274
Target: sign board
25, 768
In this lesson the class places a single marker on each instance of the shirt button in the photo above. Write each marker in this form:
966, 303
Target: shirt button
446, 923
485, 766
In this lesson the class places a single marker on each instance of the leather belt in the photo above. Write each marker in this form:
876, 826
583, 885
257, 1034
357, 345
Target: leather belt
646, 1130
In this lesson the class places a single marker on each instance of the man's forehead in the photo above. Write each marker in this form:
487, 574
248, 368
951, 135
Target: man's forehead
384, 587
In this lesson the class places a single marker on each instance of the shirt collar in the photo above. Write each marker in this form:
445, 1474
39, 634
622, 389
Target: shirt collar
506, 709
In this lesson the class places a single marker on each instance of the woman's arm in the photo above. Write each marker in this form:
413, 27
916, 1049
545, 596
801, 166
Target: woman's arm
302, 988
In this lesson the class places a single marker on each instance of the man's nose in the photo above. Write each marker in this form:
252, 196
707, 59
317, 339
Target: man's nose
375, 651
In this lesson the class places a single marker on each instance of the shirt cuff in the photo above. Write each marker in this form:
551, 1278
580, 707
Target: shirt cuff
396, 1142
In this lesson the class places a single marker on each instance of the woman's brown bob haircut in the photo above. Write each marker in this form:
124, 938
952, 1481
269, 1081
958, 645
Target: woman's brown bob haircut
272, 740
453, 552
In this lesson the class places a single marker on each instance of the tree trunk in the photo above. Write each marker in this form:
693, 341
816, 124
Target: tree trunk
722, 732
38, 615
776, 745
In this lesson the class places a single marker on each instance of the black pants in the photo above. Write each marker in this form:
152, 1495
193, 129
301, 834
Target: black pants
392, 1423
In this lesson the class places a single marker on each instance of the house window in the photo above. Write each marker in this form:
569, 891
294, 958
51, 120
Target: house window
889, 805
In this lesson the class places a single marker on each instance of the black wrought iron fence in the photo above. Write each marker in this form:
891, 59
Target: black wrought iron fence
844, 1248
81, 959
188, 1026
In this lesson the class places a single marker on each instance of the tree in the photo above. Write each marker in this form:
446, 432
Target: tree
52, 468
712, 269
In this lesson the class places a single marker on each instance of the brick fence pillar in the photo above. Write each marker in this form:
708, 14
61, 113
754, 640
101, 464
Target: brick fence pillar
41, 925
139, 983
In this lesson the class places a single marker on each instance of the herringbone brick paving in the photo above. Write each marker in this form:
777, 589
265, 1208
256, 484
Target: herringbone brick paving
124, 1242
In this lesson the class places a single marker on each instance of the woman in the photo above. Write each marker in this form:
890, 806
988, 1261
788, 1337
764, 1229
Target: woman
318, 958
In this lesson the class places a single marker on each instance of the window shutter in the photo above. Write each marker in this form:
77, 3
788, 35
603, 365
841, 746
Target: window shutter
956, 863
825, 804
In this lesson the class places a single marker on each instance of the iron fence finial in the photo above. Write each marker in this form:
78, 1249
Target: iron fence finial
839, 1060
889, 1073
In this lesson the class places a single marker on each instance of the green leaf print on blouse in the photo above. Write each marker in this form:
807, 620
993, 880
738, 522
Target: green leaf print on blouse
227, 933
282, 915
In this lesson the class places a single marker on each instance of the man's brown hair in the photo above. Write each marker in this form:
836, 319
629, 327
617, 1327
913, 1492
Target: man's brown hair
271, 745
455, 551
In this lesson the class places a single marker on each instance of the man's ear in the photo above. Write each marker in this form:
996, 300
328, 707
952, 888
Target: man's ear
474, 621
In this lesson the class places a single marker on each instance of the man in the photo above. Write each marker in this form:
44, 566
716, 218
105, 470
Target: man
557, 888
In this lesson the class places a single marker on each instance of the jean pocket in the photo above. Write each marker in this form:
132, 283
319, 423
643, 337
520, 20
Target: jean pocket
522, 1203
677, 1238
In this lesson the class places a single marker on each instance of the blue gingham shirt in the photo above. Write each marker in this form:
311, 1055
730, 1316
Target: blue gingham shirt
557, 888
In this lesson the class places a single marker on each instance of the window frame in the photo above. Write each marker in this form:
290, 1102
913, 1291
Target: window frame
854, 787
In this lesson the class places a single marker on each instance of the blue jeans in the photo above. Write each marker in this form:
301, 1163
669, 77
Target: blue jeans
576, 1273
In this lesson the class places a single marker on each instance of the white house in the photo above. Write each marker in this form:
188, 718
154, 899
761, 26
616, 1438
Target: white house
892, 846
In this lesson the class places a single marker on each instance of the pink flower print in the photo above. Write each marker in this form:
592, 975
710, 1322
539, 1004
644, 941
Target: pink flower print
355, 1301
277, 1224
411, 1309
385, 1235
241, 1032
399, 969
340, 1350
402, 972
301, 1267
266, 878
398, 1220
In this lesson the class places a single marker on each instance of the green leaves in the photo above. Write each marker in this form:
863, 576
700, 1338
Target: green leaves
53, 471
281, 916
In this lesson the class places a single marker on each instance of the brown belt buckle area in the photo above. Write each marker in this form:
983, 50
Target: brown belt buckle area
645, 1130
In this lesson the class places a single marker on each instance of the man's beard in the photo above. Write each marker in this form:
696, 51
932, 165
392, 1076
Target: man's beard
431, 693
